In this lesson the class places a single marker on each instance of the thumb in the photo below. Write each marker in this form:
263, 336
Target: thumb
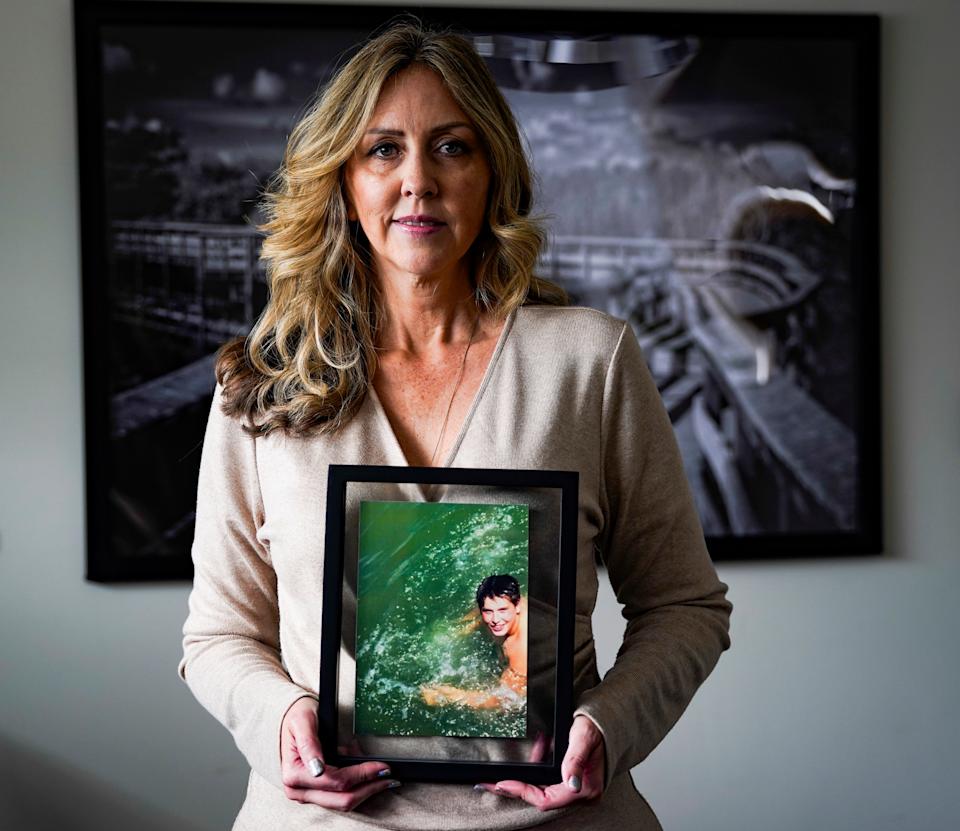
575, 759
303, 729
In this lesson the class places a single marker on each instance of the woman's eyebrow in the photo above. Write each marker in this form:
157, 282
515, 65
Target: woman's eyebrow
440, 128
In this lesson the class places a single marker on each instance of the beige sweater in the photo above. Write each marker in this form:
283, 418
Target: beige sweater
566, 389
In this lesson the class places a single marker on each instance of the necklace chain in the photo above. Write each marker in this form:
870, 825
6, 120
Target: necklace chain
456, 386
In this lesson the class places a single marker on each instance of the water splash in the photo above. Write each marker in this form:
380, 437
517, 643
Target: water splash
420, 565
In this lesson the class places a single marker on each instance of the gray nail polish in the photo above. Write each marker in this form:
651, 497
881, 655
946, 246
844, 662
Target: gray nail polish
394, 784
316, 767
479, 788
574, 783
383, 774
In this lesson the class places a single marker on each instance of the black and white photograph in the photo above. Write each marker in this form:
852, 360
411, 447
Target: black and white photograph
708, 179
479, 415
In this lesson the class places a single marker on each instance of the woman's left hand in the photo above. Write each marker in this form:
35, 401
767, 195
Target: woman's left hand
582, 770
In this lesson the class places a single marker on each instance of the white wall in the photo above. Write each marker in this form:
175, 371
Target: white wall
836, 707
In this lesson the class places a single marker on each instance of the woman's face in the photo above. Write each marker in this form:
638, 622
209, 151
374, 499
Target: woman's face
500, 615
418, 181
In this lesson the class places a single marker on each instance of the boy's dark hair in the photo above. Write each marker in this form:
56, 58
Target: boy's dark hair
498, 585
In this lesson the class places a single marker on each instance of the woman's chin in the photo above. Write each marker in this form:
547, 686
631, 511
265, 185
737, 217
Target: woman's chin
423, 270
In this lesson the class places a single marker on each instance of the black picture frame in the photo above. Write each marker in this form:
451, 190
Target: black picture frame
789, 469
553, 501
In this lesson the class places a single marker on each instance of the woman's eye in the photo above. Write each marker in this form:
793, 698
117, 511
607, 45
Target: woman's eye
386, 150
452, 148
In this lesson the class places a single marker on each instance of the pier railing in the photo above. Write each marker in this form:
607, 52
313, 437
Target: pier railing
208, 280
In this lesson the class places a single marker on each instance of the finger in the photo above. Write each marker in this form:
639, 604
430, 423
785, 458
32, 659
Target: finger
303, 759
520, 790
573, 765
297, 774
585, 739
340, 800
350, 777
544, 799
308, 751
558, 796
304, 767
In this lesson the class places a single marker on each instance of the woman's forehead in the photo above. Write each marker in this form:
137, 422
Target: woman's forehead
417, 98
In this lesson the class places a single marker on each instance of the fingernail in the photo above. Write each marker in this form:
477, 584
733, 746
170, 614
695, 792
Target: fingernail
383, 774
479, 788
574, 783
393, 784
316, 767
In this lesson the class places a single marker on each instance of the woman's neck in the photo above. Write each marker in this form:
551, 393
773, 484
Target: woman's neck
421, 316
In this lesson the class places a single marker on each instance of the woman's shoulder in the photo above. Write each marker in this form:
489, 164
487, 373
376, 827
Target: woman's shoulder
570, 327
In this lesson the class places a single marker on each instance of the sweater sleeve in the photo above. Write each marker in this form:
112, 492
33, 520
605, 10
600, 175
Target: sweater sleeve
653, 547
231, 644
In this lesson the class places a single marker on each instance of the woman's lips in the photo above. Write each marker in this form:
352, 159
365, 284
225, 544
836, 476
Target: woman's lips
419, 225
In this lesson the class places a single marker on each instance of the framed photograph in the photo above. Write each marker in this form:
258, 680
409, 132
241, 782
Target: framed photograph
447, 641
710, 178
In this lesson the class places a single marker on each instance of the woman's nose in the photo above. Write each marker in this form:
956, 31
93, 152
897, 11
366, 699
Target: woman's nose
419, 180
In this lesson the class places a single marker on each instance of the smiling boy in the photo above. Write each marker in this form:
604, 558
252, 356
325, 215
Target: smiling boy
503, 612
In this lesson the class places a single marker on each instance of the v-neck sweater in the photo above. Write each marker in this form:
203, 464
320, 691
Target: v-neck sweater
566, 389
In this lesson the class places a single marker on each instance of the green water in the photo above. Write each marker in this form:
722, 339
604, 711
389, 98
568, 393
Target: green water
419, 568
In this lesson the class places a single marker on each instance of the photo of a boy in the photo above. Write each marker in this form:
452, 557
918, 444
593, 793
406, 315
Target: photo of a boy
502, 610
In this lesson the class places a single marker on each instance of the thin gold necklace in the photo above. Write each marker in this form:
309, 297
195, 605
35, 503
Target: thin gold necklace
456, 386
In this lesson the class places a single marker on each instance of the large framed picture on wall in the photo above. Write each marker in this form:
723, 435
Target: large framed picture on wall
710, 178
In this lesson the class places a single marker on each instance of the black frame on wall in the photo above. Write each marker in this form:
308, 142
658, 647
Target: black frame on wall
736, 225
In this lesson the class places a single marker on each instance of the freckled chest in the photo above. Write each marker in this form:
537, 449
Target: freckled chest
415, 393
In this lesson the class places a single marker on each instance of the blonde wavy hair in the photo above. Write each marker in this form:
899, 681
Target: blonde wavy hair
308, 361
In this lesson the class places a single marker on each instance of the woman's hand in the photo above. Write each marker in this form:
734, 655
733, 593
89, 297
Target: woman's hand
306, 778
582, 770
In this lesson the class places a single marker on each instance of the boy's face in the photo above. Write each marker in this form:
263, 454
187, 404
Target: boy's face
500, 615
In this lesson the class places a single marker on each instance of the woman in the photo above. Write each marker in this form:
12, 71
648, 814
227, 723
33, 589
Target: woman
405, 326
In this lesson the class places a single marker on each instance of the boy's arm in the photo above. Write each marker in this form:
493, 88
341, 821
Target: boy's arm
447, 694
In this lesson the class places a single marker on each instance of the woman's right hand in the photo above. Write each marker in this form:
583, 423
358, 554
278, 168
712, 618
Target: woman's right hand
306, 778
